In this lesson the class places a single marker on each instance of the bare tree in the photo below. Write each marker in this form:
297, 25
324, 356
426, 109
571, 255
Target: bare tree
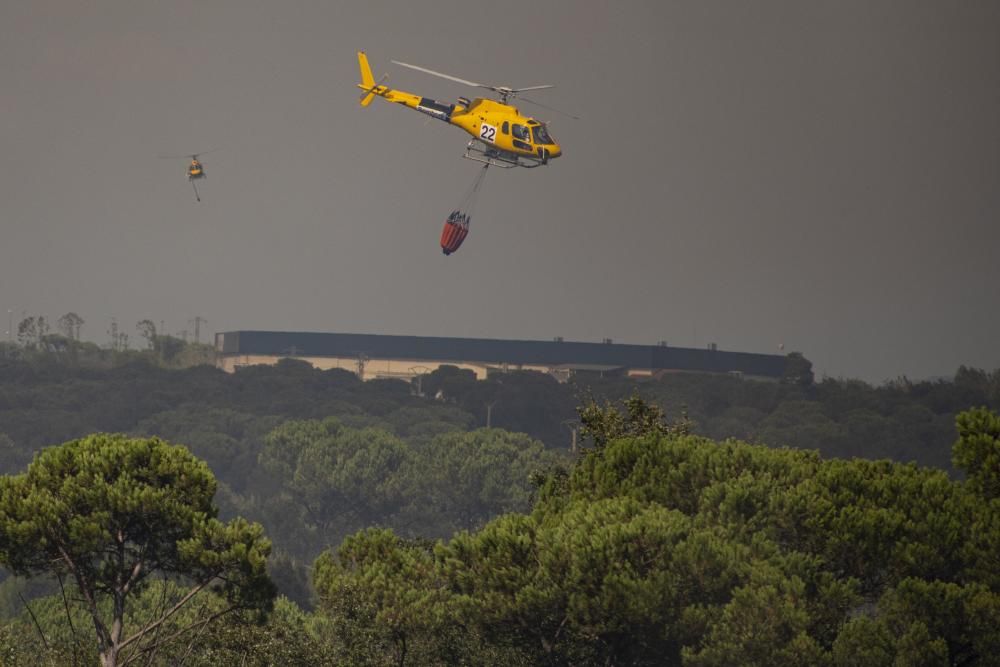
31, 331
119, 339
70, 324
148, 331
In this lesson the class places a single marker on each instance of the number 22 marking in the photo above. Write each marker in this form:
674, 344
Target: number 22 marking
487, 132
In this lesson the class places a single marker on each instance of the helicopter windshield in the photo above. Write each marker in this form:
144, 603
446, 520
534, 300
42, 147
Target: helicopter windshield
541, 134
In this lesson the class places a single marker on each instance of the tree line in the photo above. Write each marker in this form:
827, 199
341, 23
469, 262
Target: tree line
37, 342
280, 438
653, 545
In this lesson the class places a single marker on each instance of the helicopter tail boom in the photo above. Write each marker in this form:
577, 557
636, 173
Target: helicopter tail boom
373, 89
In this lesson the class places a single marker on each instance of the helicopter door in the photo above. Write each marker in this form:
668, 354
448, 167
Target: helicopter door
521, 136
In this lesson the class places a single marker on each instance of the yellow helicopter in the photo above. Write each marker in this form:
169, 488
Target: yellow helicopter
195, 170
502, 136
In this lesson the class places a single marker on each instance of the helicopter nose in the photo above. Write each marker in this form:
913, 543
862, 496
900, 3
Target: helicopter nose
555, 151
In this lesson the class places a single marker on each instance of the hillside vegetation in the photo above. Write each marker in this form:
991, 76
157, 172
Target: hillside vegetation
848, 487
654, 546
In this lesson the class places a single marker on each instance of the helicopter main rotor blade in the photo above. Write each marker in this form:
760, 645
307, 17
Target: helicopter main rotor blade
443, 76
519, 90
187, 155
546, 106
196, 155
504, 91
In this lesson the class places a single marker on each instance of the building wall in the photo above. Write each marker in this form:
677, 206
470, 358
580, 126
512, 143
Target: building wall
408, 356
404, 369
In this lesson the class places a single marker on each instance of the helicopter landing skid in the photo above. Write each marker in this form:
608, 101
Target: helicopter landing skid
480, 152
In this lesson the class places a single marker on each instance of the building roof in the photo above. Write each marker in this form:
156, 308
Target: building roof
497, 352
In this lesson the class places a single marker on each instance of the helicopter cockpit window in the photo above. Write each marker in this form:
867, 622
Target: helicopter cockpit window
541, 135
505, 128
520, 132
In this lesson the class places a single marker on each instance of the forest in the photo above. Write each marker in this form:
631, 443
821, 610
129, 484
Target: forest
690, 519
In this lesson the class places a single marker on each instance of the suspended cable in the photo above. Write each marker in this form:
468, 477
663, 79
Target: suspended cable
456, 227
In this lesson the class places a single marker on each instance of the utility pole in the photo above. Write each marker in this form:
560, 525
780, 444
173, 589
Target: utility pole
114, 333
418, 375
489, 413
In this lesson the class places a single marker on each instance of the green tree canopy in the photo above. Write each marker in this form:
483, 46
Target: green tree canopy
338, 478
977, 451
109, 513
380, 591
661, 547
461, 480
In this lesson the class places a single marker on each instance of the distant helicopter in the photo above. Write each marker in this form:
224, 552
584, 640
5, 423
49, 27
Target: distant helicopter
502, 136
195, 170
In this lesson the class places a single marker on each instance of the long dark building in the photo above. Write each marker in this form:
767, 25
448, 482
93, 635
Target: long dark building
375, 356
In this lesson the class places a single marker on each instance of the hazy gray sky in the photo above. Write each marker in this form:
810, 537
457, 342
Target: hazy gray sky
820, 174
